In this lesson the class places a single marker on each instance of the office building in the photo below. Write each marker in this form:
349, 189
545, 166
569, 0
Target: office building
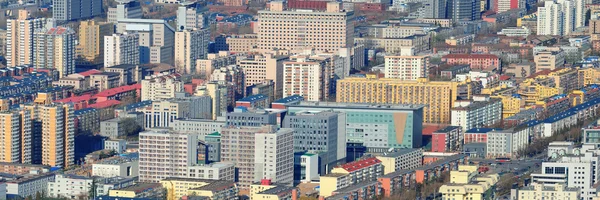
213, 171
119, 145
324, 31
161, 86
259, 68
16, 129
406, 67
163, 112
190, 45
19, 38
439, 95
55, 48
364, 124
213, 141
233, 75
68, 10
121, 49
91, 39
480, 112
401, 159
126, 9
157, 39
245, 146
190, 16
122, 166
309, 76
464, 10
306, 167
266, 190
242, 116
434, 9
157, 150
317, 133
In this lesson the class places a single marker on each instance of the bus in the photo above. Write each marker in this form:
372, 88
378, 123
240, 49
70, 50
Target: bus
502, 159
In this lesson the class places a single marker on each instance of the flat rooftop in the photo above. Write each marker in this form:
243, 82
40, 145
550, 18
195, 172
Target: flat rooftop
334, 105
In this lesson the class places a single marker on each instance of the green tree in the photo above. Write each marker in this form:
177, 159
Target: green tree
92, 193
131, 127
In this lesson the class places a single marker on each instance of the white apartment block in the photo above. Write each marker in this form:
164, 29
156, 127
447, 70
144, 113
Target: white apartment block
560, 17
401, 159
157, 39
540, 191
189, 17
69, 186
307, 77
506, 143
212, 171
165, 154
573, 170
29, 185
202, 127
118, 146
406, 67
245, 146
161, 86
515, 31
116, 167
163, 113
190, 45
55, 48
121, 49
289, 29
477, 113
215, 61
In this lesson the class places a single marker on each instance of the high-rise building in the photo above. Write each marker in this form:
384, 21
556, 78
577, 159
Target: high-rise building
163, 113
220, 99
166, 154
190, 16
259, 152
16, 129
560, 17
434, 9
246, 117
464, 10
205, 67
126, 9
55, 48
3, 35
439, 95
406, 67
326, 31
259, 68
319, 137
308, 76
161, 86
121, 49
91, 39
505, 5
67, 10
190, 45
19, 38
157, 39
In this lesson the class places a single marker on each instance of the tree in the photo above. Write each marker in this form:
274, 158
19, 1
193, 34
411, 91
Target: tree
92, 193
131, 127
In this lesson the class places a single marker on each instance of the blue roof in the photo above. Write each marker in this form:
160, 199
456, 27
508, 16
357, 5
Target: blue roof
254, 98
85, 110
482, 130
138, 105
290, 99
448, 128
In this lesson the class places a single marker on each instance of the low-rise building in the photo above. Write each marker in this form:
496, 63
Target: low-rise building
539, 191
29, 185
112, 128
265, 190
19, 169
120, 166
465, 184
487, 62
401, 159
447, 139
212, 171
118, 146
186, 186
223, 189
506, 143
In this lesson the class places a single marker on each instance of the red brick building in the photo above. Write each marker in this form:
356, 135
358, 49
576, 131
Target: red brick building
476, 61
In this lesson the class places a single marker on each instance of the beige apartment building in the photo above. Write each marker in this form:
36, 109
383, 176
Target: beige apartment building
121, 49
309, 77
245, 146
261, 67
242, 43
214, 61
91, 39
16, 130
55, 48
19, 38
549, 60
161, 86
105, 80
406, 67
190, 45
290, 29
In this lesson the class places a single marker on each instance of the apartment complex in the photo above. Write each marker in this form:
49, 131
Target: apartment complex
67, 10
157, 148
190, 45
560, 17
289, 29
406, 67
19, 38
447, 139
157, 38
121, 49
439, 95
309, 77
161, 86
259, 68
91, 39
55, 48
245, 146
506, 143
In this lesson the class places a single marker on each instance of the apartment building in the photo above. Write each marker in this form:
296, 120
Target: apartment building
289, 29
234, 76
465, 184
408, 45
91, 39
214, 61
245, 146
156, 39
211, 189
105, 80
259, 68
539, 191
16, 128
401, 159
506, 143
363, 170
190, 45
121, 49
161, 86
487, 62
212, 171
477, 113
242, 43
190, 16
549, 60
221, 98
406, 67
439, 95
266, 190
19, 37
67, 10
29, 185
162, 113
448, 139
309, 77
157, 147
126, 9
122, 166
55, 48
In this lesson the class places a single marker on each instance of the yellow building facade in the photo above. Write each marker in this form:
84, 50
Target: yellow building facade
91, 39
589, 76
178, 187
466, 184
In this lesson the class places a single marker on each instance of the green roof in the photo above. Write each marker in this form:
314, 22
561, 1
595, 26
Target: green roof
214, 134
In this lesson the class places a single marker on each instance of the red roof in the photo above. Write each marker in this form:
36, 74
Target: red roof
471, 56
356, 165
428, 130
543, 72
504, 77
117, 90
75, 99
90, 72
104, 104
